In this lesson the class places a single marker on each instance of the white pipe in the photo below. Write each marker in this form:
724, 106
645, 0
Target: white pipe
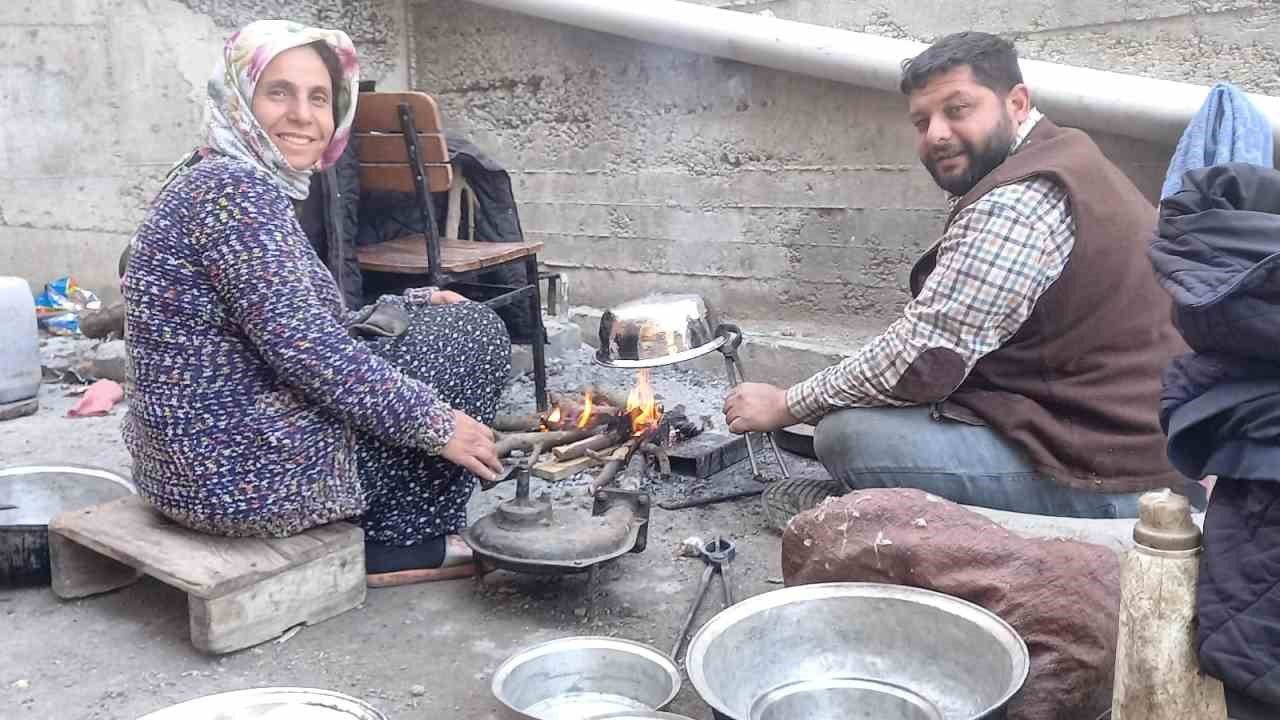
1129, 105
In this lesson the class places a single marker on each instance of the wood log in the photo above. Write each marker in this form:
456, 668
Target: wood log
559, 470
526, 441
579, 449
571, 408
517, 423
609, 396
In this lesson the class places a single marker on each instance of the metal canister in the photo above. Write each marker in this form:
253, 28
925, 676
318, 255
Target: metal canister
1157, 673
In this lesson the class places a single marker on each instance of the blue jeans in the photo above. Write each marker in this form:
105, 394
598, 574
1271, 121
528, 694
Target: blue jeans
968, 464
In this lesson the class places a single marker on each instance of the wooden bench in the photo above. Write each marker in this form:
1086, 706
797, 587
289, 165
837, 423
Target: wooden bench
240, 591
401, 147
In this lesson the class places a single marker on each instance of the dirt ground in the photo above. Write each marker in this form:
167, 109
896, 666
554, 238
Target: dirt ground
426, 651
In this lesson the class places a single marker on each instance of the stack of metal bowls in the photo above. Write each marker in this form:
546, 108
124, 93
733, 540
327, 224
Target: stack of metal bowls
857, 650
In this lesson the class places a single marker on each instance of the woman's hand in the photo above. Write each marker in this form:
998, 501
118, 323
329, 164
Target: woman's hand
472, 447
446, 297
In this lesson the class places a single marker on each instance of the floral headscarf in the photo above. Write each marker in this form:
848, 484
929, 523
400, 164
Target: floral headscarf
233, 129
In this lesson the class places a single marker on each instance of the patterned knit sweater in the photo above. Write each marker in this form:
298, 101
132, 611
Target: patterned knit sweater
245, 389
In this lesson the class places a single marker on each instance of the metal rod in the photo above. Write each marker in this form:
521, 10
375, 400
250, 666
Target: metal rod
707, 572
710, 499
730, 368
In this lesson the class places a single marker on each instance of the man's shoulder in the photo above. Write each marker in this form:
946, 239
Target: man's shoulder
1029, 195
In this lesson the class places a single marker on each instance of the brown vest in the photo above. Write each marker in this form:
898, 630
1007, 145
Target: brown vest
1078, 386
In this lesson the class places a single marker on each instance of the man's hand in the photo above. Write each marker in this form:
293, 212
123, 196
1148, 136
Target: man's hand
446, 297
757, 407
472, 447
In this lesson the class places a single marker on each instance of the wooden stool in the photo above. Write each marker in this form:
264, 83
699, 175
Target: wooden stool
240, 591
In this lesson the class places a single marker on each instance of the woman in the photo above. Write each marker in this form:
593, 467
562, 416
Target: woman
253, 410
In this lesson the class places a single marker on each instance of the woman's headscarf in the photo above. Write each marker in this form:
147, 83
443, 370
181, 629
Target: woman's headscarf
233, 129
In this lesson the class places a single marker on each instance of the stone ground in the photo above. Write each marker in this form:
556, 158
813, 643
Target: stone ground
425, 651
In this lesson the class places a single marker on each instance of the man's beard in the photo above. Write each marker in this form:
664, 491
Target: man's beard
982, 160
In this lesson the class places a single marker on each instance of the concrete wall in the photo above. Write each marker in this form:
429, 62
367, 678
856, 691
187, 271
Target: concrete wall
100, 97
776, 195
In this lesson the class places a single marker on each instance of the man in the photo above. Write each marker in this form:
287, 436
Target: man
1024, 374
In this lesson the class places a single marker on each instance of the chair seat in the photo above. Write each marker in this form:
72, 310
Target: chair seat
408, 255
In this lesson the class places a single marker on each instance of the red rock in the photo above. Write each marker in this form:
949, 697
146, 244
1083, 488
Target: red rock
1062, 596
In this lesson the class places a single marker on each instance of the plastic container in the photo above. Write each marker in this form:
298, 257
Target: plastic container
19, 342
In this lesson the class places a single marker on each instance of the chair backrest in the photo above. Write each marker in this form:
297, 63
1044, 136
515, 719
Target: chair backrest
383, 154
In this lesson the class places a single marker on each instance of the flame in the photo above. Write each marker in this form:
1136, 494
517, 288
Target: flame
585, 417
554, 418
641, 404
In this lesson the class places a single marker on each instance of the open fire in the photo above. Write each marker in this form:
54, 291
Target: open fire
597, 407
642, 406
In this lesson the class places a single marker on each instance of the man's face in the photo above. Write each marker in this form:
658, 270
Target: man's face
963, 128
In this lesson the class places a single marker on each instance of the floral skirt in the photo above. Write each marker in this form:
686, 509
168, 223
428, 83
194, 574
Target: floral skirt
462, 351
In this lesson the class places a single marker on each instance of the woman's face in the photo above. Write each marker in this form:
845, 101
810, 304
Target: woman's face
293, 101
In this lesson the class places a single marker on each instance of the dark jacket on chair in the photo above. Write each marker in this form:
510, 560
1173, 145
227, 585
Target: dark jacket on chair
330, 216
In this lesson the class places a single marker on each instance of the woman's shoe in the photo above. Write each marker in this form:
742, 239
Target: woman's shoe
427, 562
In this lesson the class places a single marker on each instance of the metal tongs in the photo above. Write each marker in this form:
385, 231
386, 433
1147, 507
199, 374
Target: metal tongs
733, 368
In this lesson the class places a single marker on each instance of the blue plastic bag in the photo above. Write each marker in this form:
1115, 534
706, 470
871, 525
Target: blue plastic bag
58, 308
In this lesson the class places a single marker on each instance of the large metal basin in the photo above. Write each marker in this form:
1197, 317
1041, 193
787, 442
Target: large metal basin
271, 703
585, 677
660, 329
31, 496
833, 650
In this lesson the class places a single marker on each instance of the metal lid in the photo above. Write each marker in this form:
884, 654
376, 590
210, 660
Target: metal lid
1164, 522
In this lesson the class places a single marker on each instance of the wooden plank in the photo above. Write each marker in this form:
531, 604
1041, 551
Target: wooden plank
302, 595
380, 111
396, 177
409, 255
389, 148
560, 470
76, 571
131, 532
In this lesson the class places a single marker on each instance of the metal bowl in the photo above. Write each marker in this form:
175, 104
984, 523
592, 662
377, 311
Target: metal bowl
845, 647
583, 677
838, 697
31, 496
640, 715
275, 703
656, 330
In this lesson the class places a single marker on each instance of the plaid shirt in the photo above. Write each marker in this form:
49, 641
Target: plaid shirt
994, 261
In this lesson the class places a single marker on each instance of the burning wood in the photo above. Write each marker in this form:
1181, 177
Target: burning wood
526, 441
604, 441
585, 411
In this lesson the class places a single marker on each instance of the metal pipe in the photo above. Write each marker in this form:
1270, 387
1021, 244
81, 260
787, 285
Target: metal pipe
1129, 105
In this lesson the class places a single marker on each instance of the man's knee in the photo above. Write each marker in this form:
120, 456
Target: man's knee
833, 435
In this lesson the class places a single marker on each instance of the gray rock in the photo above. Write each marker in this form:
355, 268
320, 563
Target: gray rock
109, 361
